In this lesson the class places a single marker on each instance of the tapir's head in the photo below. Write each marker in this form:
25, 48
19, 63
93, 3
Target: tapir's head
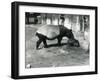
73, 42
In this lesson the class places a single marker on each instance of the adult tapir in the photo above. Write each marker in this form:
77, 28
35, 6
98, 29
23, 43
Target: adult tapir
50, 32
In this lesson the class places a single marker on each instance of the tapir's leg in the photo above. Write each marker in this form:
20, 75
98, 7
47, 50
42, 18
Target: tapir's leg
59, 40
42, 38
45, 43
38, 43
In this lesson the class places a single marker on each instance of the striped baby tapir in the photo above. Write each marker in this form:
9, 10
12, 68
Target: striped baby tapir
51, 32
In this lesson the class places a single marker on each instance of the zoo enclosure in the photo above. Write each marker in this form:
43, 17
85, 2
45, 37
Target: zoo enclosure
71, 21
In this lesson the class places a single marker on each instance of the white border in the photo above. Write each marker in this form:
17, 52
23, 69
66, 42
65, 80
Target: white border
69, 69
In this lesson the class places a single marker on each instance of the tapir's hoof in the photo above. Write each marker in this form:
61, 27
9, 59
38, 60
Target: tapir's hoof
37, 48
45, 46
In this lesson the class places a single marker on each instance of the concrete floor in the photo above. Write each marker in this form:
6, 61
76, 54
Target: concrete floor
54, 56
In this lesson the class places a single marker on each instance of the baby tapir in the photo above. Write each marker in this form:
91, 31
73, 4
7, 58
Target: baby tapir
51, 32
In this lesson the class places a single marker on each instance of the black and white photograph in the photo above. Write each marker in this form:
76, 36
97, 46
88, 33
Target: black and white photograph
51, 40
56, 40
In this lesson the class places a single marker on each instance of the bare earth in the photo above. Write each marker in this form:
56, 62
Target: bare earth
54, 56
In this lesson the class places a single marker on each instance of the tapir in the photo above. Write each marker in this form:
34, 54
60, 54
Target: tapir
51, 32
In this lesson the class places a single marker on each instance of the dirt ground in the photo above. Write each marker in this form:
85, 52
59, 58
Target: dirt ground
54, 56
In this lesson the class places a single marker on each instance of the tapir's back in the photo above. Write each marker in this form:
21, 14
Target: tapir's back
49, 31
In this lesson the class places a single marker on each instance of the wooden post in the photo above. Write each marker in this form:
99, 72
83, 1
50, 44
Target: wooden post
83, 23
